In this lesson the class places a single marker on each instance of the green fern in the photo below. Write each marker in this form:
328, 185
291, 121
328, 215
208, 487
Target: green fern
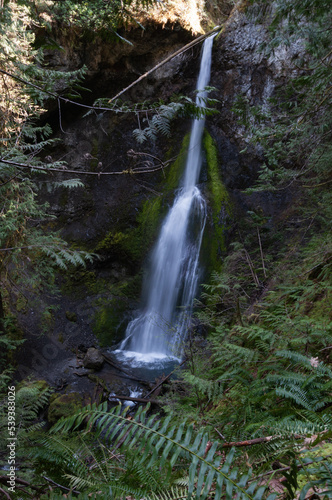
323, 483
157, 442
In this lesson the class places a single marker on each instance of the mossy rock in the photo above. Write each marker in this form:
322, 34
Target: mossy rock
40, 385
113, 241
64, 405
71, 316
93, 359
78, 282
108, 320
214, 242
133, 243
177, 168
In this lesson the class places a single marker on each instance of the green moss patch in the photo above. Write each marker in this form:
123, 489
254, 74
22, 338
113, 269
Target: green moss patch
177, 168
108, 323
220, 203
64, 405
79, 282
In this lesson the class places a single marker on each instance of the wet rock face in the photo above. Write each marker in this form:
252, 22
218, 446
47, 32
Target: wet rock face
112, 63
241, 68
100, 142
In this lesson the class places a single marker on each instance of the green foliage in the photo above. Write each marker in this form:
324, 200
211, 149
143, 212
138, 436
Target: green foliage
103, 17
265, 370
158, 447
156, 118
180, 107
320, 478
28, 254
31, 398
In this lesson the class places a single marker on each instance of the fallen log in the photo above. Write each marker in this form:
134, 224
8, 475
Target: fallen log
135, 400
164, 379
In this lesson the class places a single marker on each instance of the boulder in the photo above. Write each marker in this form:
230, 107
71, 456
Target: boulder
93, 359
64, 405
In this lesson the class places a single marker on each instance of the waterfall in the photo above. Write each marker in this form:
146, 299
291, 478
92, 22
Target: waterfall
160, 328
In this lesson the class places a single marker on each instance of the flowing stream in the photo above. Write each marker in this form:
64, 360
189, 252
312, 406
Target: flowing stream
159, 330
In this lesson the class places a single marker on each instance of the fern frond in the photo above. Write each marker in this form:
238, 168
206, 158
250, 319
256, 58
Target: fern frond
213, 389
69, 184
173, 493
157, 441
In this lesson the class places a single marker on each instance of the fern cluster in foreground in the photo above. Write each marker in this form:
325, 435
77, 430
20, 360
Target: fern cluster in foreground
157, 445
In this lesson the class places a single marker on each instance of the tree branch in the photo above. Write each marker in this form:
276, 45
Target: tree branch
4, 480
180, 51
164, 379
5, 493
130, 171
251, 442
99, 108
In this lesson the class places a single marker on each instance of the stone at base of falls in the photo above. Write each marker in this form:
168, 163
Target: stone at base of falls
93, 359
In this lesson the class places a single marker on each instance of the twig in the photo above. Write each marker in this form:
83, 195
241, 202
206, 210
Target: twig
300, 466
261, 250
6, 494
61, 486
164, 379
251, 442
309, 270
222, 437
4, 479
9, 180
251, 266
21, 488
133, 153
131, 171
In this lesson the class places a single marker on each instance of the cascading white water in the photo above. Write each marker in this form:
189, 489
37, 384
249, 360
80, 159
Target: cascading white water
159, 329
